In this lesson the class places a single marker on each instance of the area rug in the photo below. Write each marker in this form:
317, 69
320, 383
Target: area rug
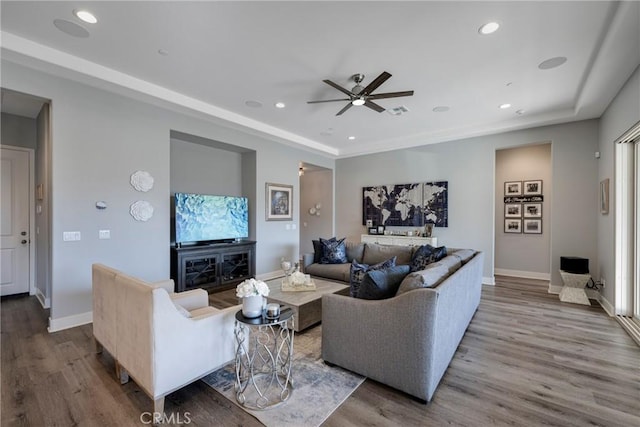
318, 389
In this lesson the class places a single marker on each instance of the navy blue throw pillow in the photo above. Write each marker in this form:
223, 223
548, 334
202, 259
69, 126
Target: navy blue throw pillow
425, 255
317, 250
382, 284
333, 251
359, 270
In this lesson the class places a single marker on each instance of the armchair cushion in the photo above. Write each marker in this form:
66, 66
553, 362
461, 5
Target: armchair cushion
382, 284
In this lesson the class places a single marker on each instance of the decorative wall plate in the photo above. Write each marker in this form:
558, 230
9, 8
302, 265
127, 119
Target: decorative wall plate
142, 181
141, 210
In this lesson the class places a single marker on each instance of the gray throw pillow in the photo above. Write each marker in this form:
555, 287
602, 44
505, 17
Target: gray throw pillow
333, 251
382, 284
359, 270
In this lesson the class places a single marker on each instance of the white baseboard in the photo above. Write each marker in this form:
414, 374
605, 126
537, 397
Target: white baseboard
522, 274
44, 301
606, 305
489, 281
62, 323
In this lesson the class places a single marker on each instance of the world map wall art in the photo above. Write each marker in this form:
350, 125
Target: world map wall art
410, 205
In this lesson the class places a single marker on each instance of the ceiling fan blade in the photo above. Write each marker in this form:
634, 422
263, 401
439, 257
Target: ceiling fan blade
340, 88
328, 100
391, 95
377, 82
346, 107
373, 106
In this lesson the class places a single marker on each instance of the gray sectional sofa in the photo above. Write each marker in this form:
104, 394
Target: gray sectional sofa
406, 341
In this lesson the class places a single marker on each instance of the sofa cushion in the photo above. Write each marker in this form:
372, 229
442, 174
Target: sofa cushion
374, 253
355, 251
333, 251
339, 272
423, 279
382, 284
358, 271
451, 262
317, 249
425, 255
464, 254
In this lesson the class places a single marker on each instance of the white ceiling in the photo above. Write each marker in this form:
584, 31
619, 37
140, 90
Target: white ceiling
222, 54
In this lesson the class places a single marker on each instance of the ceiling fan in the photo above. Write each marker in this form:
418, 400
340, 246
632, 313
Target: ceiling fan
362, 95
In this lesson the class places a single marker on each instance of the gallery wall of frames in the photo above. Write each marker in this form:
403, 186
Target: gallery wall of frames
523, 207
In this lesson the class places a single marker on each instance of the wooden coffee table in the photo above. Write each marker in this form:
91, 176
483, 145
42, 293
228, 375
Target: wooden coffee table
306, 305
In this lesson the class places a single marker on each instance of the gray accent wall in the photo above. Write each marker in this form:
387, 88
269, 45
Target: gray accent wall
469, 167
620, 116
18, 131
99, 138
525, 255
316, 186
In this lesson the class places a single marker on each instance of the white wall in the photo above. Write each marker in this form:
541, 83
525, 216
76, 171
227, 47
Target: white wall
469, 166
99, 138
526, 255
43, 210
621, 115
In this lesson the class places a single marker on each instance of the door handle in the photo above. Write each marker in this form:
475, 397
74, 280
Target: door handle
24, 242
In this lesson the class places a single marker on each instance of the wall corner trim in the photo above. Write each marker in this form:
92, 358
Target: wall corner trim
489, 281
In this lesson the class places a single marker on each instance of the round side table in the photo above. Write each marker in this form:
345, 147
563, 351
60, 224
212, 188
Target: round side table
264, 352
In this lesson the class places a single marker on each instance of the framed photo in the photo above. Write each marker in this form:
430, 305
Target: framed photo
532, 188
512, 210
381, 229
428, 229
513, 226
279, 202
532, 226
532, 210
604, 196
369, 223
513, 188
373, 230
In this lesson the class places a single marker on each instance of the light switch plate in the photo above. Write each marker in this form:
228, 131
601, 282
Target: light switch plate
104, 234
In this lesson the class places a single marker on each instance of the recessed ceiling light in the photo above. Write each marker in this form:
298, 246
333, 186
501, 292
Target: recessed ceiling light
280, 105
85, 16
163, 52
351, 138
505, 106
489, 28
552, 63
440, 109
519, 112
253, 104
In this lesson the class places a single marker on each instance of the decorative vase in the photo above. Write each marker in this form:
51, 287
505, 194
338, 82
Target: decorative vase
252, 306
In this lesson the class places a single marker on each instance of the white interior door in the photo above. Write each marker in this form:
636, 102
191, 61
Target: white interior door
14, 222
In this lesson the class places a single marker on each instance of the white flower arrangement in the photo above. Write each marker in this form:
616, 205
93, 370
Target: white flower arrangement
251, 288
298, 278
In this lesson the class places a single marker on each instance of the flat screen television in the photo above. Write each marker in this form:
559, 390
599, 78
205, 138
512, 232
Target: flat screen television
201, 218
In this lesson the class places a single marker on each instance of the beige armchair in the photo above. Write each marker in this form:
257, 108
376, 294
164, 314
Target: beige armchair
163, 341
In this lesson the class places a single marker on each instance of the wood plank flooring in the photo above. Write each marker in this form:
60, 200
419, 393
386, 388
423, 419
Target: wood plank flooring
527, 359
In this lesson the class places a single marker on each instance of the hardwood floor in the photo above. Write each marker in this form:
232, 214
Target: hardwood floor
527, 359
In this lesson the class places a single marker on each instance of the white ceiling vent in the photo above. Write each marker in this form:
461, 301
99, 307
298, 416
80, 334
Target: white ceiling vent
398, 110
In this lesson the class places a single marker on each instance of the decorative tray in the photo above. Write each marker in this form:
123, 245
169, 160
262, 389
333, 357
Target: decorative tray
288, 286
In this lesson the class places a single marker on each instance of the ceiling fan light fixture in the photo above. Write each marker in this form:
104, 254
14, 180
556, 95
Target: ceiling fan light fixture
358, 102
